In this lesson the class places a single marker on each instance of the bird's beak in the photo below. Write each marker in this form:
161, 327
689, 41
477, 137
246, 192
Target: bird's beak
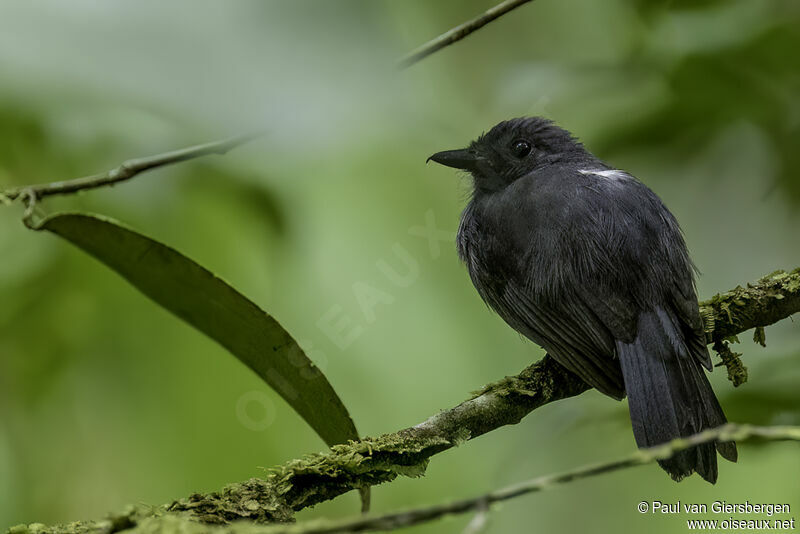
458, 159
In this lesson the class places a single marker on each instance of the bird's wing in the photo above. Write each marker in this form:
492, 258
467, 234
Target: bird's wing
570, 332
683, 301
651, 265
573, 268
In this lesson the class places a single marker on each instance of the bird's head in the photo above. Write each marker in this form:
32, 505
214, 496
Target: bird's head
511, 150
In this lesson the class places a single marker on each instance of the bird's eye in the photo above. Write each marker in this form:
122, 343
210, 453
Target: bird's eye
520, 148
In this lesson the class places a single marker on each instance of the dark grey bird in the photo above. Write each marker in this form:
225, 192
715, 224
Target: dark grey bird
587, 262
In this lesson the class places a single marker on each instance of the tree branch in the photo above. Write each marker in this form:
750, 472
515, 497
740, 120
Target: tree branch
319, 477
127, 170
771, 299
458, 33
159, 522
480, 504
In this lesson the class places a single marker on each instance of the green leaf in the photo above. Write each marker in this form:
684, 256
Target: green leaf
204, 301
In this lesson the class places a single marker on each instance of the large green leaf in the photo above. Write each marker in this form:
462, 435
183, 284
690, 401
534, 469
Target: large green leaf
201, 299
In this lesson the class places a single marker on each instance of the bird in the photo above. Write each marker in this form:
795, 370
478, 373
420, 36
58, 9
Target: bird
587, 262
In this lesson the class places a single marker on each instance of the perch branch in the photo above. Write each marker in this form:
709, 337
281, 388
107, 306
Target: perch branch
459, 32
127, 170
320, 477
160, 522
480, 504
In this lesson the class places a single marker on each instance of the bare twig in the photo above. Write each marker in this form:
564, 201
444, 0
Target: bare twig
128, 169
481, 520
30, 199
459, 32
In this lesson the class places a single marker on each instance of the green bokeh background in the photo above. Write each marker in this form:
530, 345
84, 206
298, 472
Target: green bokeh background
106, 399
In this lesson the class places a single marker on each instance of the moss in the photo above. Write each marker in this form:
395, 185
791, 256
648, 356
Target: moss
499, 387
737, 372
314, 478
760, 336
709, 319
760, 304
116, 522
319, 477
252, 499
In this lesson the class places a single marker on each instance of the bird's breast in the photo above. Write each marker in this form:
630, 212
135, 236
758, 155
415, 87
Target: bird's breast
546, 241
492, 249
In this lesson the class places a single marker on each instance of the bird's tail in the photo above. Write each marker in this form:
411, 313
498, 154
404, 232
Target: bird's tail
669, 395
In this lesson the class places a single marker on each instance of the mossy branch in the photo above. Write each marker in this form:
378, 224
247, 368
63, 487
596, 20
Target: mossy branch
771, 299
321, 477
480, 504
161, 522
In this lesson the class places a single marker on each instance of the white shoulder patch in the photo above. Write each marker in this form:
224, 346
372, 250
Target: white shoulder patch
613, 174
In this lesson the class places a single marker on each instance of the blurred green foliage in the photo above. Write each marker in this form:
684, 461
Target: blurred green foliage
106, 399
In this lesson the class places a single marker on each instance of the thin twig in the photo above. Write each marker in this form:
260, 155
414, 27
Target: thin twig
458, 33
129, 169
30, 199
481, 520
